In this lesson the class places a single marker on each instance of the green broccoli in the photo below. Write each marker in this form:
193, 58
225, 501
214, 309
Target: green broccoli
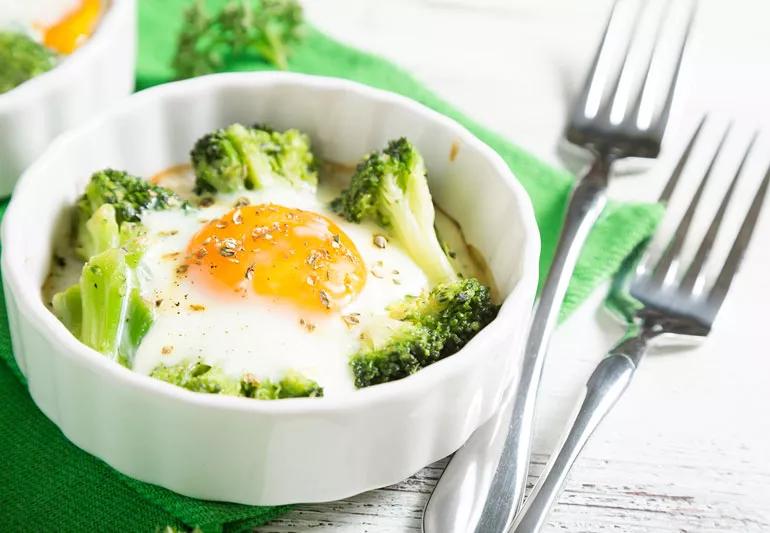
126, 197
105, 310
391, 188
68, 307
240, 157
99, 233
21, 59
292, 385
133, 240
129, 195
422, 330
198, 376
210, 43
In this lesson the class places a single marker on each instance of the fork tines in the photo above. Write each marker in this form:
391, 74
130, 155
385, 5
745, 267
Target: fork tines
663, 276
609, 110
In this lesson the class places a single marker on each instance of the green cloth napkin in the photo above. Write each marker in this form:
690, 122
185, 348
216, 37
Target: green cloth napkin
48, 484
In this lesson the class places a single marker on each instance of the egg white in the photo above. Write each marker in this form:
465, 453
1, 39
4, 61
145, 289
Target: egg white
258, 334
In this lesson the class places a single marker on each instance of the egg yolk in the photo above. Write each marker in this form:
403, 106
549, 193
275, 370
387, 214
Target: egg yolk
285, 253
75, 27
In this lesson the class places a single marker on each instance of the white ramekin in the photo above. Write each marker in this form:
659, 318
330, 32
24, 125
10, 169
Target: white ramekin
267, 452
96, 75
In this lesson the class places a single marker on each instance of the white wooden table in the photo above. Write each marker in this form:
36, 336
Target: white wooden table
688, 447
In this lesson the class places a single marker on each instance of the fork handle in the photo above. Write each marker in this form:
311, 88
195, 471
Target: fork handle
604, 388
483, 483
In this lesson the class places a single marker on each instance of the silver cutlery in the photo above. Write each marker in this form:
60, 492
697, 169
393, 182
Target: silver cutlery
660, 306
483, 483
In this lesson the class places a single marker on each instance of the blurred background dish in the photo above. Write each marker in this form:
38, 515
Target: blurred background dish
60, 62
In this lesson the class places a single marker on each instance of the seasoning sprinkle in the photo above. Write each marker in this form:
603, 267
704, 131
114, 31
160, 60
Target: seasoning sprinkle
181, 269
201, 253
249, 272
237, 218
166, 349
335, 241
309, 326
241, 202
228, 247
259, 231
351, 319
250, 378
325, 299
313, 258
197, 307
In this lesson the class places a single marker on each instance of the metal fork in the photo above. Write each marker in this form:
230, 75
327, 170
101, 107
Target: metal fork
483, 484
654, 305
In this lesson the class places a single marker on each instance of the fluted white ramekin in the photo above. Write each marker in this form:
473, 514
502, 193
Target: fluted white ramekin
96, 75
284, 451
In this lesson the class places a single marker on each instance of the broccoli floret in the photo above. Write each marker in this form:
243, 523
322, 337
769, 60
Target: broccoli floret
295, 385
454, 312
391, 188
239, 157
292, 385
408, 349
198, 377
241, 29
202, 377
293, 158
127, 196
21, 59
105, 310
280, 23
423, 330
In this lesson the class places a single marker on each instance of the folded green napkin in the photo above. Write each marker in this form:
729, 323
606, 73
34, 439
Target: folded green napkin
47, 484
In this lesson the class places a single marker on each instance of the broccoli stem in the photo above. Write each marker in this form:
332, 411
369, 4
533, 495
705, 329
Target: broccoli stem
99, 233
411, 222
68, 307
105, 291
105, 309
391, 188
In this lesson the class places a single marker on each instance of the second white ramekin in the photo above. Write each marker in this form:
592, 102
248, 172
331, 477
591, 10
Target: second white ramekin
96, 75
